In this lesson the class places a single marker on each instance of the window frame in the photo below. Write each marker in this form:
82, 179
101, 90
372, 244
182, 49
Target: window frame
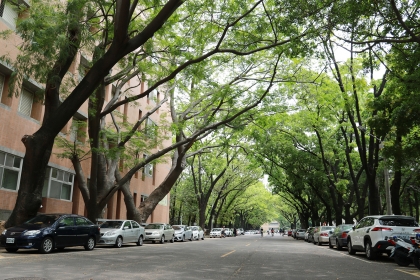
49, 178
3, 166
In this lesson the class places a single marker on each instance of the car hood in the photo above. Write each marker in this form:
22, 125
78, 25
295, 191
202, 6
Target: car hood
152, 230
25, 227
179, 231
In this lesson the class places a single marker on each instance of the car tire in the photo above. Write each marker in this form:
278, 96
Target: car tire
162, 239
12, 250
339, 247
350, 248
400, 257
370, 252
319, 243
118, 242
173, 239
191, 238
329, 244
47, 245
140, 241
90, 244
202, 238
416, 261
183, 238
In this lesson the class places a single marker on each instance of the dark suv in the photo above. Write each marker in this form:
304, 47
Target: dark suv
46, 232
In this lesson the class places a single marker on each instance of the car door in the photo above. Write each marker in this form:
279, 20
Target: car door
128, 232
168, 232
136, 231
359, 232
83, 228
65, 233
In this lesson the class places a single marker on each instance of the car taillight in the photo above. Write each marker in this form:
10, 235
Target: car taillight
344, 235
381, 229
417, 230
323, 234
392, 242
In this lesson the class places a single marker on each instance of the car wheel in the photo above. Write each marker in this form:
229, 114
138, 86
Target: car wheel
370, 252
416, 260
90, 244
350, 248
12, 250
162, 239
118, 242
47, 245
401, 257
202, 238
140, 241
183, 238
173, 239
339, 247
329, 244
191, 238
319, 243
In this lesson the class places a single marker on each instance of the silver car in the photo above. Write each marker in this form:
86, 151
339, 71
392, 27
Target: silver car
182, 232
198, 232
215, 232
159, 232
322, 234
117, 232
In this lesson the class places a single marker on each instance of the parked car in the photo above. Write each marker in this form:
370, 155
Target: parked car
183, 232
338, 237
46, 232
159, 232
307, 233
289, 232
310, 233
215, 232
370, 233
198, 232
322, 234
228, 232
240, 231
117, 232
300, 233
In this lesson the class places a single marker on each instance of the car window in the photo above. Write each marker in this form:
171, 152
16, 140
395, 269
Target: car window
154, 226
68, 221
398, 221
81, 222
361, 223
135, 224
111, 224
127, 224
43, 220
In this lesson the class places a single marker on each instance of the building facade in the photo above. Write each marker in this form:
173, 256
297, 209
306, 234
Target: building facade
22, 115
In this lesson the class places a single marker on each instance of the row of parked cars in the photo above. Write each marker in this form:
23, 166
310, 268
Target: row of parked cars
47, 232
369, 235
217, 232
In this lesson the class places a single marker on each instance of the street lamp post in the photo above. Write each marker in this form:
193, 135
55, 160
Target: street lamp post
386, 173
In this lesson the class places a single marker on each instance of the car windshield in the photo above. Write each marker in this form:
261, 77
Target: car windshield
111, 224
177, 227
216, 229
43, 220
154, 226
326, 228
194, 228
346, 227
402, 222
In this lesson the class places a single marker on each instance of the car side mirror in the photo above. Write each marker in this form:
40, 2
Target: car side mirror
61, 225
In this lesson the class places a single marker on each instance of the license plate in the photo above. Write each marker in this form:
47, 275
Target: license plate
10, 240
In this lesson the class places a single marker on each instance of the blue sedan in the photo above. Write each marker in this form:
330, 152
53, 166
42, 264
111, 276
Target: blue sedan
338, 237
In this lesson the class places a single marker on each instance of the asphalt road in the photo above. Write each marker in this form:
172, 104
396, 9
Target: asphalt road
242, 257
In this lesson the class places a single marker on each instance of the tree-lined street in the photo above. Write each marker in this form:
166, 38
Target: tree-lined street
242, 257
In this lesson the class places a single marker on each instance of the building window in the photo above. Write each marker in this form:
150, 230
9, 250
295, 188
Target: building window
143, 198
152, 96
26, 101
10, 169
150, 129
8, 13
78, 130
2, 82
58, 184
148, 168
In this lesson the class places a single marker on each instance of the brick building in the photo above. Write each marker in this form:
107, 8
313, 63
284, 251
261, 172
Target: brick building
23, 114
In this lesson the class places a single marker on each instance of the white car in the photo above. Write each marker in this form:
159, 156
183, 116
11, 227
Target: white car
370, 234
300, 233
322, 234
215, 232
182, 233
159, 232
198, 232
117, 232
228, 232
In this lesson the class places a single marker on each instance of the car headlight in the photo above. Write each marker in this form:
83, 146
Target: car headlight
110, 233
4, 232
32, 232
